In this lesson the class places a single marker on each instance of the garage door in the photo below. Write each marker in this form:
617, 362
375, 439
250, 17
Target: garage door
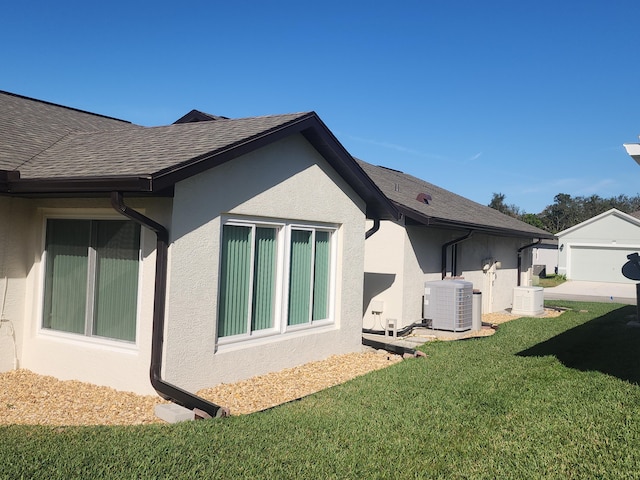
598, 264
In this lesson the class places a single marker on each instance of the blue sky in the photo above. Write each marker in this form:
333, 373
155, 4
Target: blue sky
529, 99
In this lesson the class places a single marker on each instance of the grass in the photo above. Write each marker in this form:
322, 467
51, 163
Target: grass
551, 280
542, 398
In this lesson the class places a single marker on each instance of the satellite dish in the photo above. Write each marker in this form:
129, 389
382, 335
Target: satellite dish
631, 269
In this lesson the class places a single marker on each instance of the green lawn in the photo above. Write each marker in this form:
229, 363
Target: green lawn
551, 280
542, 398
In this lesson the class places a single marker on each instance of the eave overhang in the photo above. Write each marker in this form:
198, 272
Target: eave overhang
14, 185
378, 206
633, 150
429, 221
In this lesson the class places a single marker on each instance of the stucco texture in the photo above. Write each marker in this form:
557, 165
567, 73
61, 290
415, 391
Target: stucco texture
287, 180
399, 259
120, 365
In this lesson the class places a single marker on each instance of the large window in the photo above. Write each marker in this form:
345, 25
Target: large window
274, 277
91, 277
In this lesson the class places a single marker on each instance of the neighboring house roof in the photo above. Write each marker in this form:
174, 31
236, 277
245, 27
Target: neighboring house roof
430, 205
52, 149
631, 218
198, 116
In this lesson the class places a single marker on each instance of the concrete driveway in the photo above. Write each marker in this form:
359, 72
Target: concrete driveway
593, 292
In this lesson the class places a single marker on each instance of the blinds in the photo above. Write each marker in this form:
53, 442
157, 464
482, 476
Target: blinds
116, 279
249, 284
321, 279
66, 270
264, 279
234, 282
91, 277
300, 277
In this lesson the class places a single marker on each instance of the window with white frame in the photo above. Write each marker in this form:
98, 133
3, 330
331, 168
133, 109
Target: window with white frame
273, 277
91, 277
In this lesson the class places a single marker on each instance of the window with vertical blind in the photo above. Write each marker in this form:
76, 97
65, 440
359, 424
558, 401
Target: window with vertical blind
274, 277
91, 277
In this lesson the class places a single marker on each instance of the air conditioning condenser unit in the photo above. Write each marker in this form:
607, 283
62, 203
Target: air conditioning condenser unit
449, 304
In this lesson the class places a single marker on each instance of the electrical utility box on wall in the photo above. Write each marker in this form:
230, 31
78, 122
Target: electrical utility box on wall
528, 301
449, 304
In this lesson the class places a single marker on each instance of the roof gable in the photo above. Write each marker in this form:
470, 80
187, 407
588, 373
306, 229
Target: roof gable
593, 220
198, 116
429, 204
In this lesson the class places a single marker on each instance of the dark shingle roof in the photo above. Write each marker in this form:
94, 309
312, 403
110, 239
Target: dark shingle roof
48, 149
198, 116
429, 204
145, 151
29, 127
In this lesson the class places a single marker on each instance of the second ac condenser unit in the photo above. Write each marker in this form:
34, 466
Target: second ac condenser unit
449, 304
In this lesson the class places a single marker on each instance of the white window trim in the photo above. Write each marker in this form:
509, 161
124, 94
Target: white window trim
281, 300
84, 339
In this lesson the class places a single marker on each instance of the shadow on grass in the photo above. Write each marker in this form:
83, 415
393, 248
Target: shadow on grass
606, 344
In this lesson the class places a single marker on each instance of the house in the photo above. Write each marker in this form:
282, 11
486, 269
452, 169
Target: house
440, 235
596, 249
206, 251
545, 256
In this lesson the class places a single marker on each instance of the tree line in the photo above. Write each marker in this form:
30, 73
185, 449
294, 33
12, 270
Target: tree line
566, 211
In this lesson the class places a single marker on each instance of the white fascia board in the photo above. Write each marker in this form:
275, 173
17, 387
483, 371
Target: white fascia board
613, 211
633, 150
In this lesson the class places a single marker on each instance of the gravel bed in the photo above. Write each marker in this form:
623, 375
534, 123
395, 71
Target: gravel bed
30, 399
265, 391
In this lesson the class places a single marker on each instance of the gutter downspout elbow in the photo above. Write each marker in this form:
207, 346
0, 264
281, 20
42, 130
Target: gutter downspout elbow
166, 390
444, 251
520, 257
373, 229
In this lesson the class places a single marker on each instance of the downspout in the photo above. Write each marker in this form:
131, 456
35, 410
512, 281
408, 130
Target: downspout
164, 389
373, 229
520, 257
444, 252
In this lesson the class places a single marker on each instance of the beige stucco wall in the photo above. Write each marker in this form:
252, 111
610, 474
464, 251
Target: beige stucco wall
14, 266
497, 283
120, 365
286, 180
408, 257
385, 252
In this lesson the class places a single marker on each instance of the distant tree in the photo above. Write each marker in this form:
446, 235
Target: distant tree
533, 219
567, 211
497, 202
560, 215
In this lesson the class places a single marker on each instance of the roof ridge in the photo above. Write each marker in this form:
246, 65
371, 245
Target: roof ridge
4, 92
43, 150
